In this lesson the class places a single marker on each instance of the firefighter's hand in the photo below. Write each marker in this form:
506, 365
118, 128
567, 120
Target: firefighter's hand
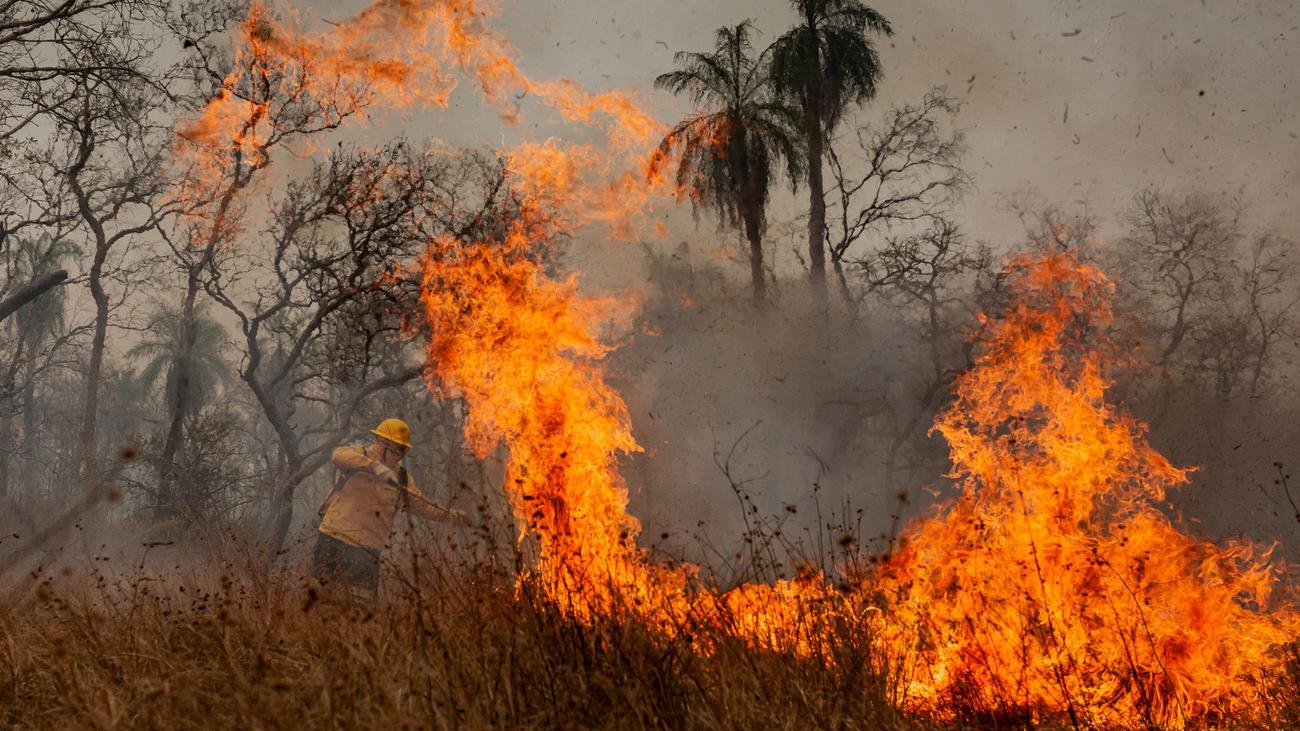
384, 472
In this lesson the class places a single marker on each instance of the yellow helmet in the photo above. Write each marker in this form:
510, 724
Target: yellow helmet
395, 431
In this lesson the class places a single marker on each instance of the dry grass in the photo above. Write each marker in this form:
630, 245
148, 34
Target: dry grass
450, 645
457, 648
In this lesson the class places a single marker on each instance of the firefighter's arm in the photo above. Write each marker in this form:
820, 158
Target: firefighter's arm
429, 510
353, 458
350, 458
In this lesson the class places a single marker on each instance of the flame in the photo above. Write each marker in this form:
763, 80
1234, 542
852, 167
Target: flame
519, 348
1053, 583
579, 185
1051, 586
395, 52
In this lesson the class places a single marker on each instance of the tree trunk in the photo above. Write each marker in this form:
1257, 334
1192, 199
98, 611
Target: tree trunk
90, 405
754, 232
29, 434
87, 444
6, 448
88, 454
812, 113
181, 372
816, 204
1261, 358
279, 519
31, 291
845, 293
280, 510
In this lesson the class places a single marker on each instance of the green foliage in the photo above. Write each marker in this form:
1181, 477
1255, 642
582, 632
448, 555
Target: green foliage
728, 152
828, 61
35, 258
161, 346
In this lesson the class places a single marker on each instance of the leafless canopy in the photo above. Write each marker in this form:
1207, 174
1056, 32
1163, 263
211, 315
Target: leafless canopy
904, 170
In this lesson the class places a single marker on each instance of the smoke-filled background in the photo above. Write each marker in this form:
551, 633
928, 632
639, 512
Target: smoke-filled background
1068, 111
1159, 139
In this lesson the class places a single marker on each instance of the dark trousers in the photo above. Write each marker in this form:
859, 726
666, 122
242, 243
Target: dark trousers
353, 566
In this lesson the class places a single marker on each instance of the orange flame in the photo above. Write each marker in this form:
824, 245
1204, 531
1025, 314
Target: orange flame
398, 52
519, 348
1053, 583
1053, 586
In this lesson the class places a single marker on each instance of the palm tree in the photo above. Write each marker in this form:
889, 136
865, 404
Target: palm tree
208, 371
33, 325
38, 318
728, 150
822, 65
160, 347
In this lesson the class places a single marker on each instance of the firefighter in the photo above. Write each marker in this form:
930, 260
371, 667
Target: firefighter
370, 486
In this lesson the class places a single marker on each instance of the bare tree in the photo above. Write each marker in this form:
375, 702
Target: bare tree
319, 299
45, 44
1175, 253
74, 67
277, 103
105, 197
931, 280
106, 157
1050, 227
1268, 277
905, 170
52, 52
80, 147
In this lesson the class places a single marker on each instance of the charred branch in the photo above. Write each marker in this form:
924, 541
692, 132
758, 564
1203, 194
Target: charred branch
31, 291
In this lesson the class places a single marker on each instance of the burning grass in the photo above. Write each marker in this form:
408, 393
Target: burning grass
455, 647
449, 646
1051, 593
1053, 586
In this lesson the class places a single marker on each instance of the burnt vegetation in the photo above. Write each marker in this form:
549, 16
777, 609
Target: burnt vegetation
189, 331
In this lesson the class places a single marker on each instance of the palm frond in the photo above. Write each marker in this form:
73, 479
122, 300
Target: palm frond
829, 61
727, 151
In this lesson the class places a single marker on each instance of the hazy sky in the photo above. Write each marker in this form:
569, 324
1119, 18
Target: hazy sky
1171, 92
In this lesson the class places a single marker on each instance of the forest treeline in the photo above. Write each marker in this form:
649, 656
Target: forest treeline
185, 343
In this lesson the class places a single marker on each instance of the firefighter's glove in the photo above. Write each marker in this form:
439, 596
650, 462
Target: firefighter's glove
384, 472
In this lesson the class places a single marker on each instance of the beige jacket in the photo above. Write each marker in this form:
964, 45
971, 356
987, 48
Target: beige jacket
361, 511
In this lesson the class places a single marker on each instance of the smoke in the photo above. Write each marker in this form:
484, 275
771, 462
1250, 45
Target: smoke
796, 405
1132, 77
1080, 103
